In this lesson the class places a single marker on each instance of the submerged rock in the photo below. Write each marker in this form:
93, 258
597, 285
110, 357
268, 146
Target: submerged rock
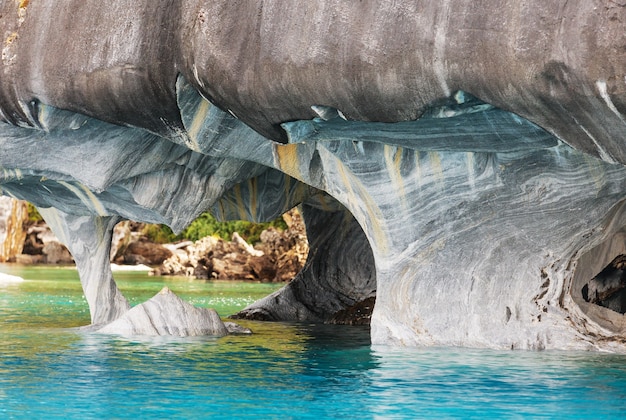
234, 328
9, 279
167, 314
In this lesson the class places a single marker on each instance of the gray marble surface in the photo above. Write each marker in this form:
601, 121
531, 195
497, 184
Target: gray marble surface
469, 173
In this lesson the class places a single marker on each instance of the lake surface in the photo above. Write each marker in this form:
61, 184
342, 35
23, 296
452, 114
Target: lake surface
49, 370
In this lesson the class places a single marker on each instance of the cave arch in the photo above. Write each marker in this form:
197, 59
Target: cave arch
448, 206
338, 283
608, 288
599, 272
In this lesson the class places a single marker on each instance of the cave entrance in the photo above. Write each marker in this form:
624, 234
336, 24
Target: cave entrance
599, 281
337, 285
608, 288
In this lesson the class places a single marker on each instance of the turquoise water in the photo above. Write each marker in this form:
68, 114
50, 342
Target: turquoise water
48, 370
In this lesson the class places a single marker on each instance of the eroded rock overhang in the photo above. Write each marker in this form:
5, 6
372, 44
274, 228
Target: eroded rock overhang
469, 223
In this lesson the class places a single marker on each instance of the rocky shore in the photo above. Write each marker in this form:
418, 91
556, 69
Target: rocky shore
278, 257
41, 246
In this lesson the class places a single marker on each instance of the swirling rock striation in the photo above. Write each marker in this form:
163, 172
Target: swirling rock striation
167, 314
465, 168
339, 273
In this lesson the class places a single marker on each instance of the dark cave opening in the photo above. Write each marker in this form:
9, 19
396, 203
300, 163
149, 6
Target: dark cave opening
337, 285
608, 288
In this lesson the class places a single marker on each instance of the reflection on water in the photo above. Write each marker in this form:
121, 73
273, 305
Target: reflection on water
48, 370
281, 369
501, 383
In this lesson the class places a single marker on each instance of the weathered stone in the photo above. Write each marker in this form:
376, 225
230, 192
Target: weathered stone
6, 279
358, 314
278, 257
90, 245
56, 253
122, 237
28, 259
339, 272
42, 246
33, 244
13, 219
237, 329
167, 314
480, 218
144, 252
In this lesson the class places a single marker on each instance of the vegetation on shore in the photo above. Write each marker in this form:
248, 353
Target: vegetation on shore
205, 225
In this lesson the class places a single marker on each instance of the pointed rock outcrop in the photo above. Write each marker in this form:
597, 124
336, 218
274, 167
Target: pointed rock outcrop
167, 314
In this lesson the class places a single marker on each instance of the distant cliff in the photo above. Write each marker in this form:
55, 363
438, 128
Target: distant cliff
13, 220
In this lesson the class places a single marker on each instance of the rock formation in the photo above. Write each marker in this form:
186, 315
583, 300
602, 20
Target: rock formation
13, 218
167, 314
6, 279
278, 257
43, 247
130, 246
465, 166
340, 265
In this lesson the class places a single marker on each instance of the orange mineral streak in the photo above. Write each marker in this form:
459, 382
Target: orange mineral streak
12, 229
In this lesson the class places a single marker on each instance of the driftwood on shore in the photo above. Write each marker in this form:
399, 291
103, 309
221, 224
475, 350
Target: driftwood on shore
277, 258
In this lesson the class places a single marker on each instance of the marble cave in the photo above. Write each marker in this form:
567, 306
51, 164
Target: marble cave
463, 162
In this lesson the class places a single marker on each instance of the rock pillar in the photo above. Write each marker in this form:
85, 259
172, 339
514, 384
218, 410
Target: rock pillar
90, 245
339, 272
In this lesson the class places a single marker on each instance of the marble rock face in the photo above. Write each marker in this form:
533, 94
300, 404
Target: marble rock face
463, 168
167, 314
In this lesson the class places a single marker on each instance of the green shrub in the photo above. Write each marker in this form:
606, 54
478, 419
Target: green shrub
33, 214
207, 225
160, 234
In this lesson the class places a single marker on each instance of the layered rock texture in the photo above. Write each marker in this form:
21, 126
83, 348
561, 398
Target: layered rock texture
13, 221
465, 168
167, 314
